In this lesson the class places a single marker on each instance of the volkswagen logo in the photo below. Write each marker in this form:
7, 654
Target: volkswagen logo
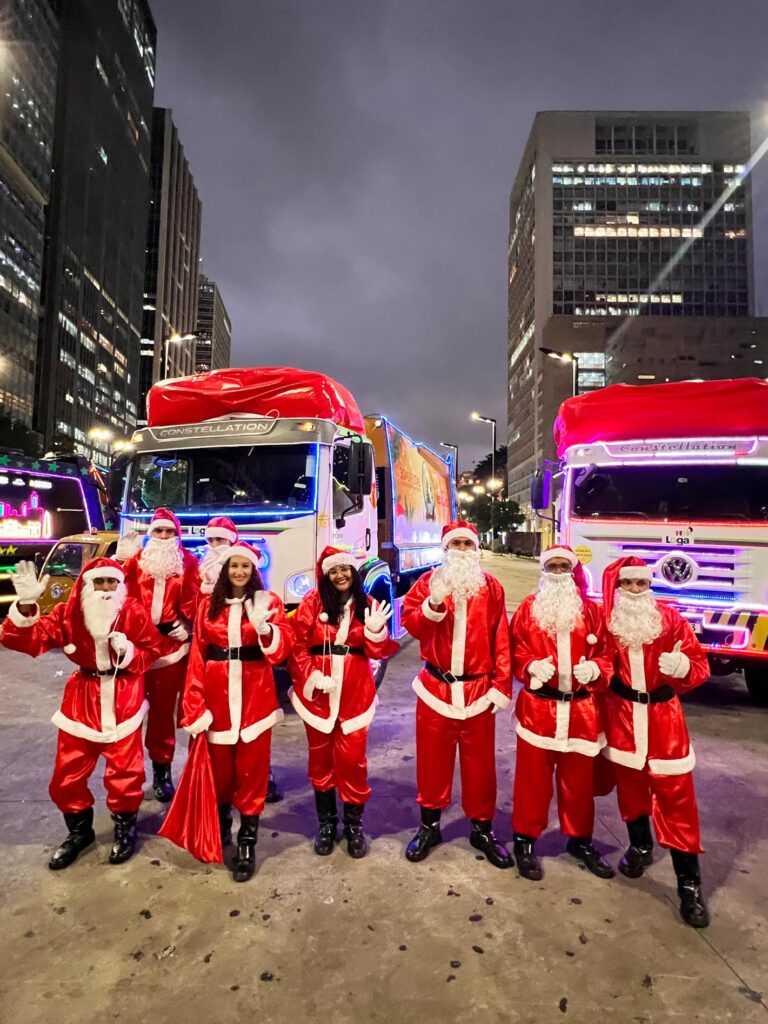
678, 569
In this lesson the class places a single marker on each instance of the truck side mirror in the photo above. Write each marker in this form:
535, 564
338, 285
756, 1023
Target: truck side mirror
540, 489
360, 467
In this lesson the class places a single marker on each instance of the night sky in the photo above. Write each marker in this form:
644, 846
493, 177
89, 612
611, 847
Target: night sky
354, 159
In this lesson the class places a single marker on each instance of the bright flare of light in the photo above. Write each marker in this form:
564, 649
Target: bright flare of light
478, 489
493, 484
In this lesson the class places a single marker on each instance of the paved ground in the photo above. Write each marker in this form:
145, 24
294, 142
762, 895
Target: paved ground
165, 938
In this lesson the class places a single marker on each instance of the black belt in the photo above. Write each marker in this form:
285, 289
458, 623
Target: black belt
166, 627
94, 673
548, 693
448, 677
342, 649
657, 696
215, 653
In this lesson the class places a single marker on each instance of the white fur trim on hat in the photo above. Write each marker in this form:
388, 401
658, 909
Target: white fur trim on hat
220, 533
551, 553
636, 572
461, 532
163, 524
69, 648
340, 558
242, 551
106, 572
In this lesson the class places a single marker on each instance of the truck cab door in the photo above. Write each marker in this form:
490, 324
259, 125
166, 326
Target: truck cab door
352, 480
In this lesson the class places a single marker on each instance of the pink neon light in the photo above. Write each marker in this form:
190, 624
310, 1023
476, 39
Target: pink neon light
11, 517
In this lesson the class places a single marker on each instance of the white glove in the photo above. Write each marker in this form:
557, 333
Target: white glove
675, 664
260, 620
541, 672
26, 584
377, 616
119, 643
586, 672
438, 588
326, 684
179, 633
496, 708
128, 546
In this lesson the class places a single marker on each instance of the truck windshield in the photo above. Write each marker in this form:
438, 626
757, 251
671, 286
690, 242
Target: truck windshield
691, 493
279, 478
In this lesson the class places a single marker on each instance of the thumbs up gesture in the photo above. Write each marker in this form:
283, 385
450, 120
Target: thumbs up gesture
674, 663
541, 672
586, 671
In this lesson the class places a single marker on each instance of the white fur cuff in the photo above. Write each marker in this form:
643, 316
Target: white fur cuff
376, 638
127, 657
498, 698
315, 677
20, 620
269, 646
430, 613
200, 724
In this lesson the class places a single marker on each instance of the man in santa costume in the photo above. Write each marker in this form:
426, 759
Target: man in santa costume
110, 639
164, 577
458, 614
559, 654
656, 658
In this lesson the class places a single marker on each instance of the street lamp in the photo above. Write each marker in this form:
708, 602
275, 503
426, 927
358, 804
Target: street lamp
175, 339
100, 438
478, 489
565, 357
455, 449
489, 419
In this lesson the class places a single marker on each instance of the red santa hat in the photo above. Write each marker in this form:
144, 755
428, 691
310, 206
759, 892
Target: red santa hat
563, 551
629, 568
334, 556
221, 528
164, 518
74, 620
243, 550
457, 530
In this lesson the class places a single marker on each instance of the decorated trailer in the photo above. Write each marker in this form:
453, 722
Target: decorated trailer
678, 475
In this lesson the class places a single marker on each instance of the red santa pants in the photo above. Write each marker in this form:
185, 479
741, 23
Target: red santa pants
241, 772
163, 686
437, 738
76, 761
669, 800
533, 790
338, 761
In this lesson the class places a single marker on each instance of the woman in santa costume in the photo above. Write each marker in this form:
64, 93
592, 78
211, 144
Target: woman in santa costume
241, 631
164, 577
656, 658
338, 629
458, 613
110, 639
559, 654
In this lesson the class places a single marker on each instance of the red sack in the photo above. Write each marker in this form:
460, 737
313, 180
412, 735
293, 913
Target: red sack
193, 819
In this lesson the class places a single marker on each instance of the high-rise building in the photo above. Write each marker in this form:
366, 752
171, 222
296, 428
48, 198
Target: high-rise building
88, 366
622, 225
28, 61
173, 251
213, 350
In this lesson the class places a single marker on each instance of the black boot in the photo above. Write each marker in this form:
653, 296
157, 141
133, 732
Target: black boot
357, 844
329, 819
483, 839
124, 845
245, 863
80, 837
427, 836
162, 783
528, 864
225, 823
693, 909
582, 849
274, 794
639, 854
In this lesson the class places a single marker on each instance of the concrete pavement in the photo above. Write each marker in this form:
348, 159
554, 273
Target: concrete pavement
166, 938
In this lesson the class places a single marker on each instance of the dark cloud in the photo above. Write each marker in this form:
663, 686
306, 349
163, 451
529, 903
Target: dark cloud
355, 157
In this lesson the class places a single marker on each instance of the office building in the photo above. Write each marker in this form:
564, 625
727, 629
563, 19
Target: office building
213, 350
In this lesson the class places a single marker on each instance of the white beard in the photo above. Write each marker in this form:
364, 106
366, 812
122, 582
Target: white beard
558, 606
101, 608
210, 566
162, 558
635, 619
462, 573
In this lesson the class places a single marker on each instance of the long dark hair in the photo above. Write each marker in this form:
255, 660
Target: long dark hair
223, 590
334, 601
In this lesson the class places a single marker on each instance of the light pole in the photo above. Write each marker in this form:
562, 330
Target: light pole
105, 435
176, 339
489, 419
455, 449
565, 357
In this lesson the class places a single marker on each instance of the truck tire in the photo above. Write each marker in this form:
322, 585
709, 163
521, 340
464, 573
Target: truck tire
756, 678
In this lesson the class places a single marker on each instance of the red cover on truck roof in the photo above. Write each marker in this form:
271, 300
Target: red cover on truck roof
689, 408
261, 391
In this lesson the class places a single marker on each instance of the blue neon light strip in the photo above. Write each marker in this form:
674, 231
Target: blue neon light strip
231, 515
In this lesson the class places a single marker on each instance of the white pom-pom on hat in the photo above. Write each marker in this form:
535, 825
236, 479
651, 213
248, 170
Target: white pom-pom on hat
591, 638
323, 616
69, 648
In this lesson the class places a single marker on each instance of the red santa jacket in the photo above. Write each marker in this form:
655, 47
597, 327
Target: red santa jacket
466, 638
566, 726
353, 702
234, 700
105, 708
655, 734
168, 601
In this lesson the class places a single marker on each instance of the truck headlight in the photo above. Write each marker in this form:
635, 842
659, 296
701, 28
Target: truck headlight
299, 584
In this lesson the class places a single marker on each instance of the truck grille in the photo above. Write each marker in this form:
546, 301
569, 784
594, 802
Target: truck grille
721, 573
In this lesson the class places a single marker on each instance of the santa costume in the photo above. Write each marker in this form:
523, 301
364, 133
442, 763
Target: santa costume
558, 643
458, 614
334, 694
230, 696
110, 639
164, 577
656, 657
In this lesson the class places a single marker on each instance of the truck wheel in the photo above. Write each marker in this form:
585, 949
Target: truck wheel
756, 677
